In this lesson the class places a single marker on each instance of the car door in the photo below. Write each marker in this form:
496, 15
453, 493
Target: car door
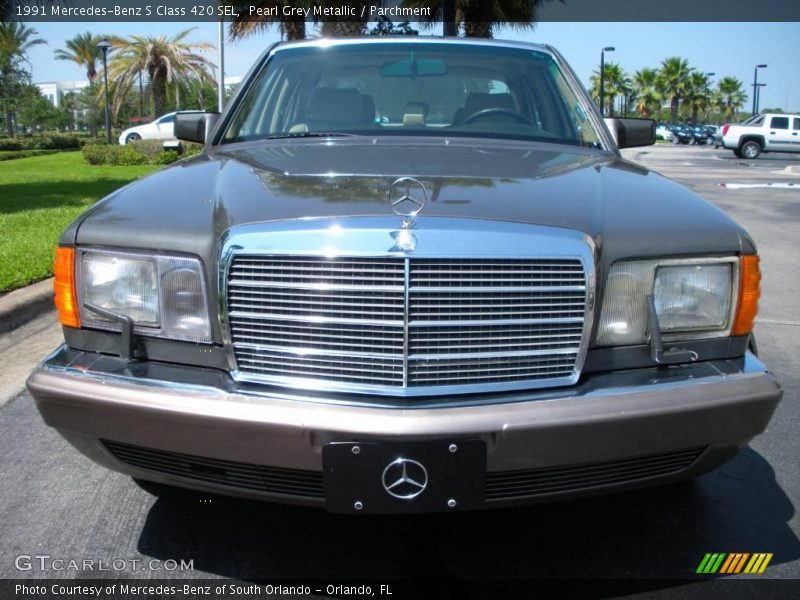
795, 134
778, 135
166, 127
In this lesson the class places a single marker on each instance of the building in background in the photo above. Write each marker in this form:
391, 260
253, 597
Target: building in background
55, 91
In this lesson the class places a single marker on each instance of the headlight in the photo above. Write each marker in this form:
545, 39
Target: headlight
165, 296
694, 298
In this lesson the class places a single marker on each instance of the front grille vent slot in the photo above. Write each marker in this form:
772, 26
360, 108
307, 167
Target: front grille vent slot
246, 476
506, 485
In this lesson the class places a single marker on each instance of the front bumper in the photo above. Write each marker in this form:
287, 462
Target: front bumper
196, 428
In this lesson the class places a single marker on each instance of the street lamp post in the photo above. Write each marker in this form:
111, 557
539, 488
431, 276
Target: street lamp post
221, 72
104, 45
755, 87
758, 96
602, 76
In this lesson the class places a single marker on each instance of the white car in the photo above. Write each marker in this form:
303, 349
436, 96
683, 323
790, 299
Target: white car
763, 133
665, 133
162, 128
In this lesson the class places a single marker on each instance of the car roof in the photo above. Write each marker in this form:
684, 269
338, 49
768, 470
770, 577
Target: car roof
405, 39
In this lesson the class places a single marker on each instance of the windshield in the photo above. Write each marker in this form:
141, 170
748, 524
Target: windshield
425, 89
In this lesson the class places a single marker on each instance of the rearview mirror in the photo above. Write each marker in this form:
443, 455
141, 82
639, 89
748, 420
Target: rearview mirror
413, 68
630, 133
195, 126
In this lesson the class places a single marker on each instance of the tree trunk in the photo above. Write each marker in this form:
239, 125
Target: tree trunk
610, 112
295, 29
477, 18
344, 26
477, 29
141, 95
694, 114
673, 108
10, 124
158, 86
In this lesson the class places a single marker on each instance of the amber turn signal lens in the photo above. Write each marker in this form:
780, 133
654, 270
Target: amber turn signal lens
64, 287
749, 293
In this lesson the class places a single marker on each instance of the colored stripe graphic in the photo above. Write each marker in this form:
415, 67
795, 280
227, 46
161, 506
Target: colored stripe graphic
724, 563
734, 563
711, 562
758, 563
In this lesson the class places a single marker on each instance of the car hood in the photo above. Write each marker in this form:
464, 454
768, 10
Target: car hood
627, 210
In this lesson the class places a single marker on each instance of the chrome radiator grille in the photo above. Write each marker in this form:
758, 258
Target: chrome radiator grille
413, 324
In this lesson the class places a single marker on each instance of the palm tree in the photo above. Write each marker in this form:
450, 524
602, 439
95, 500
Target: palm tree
645, 82
292, 26
673, 79
732, 95
628, 91
83, 51
15, 41
698, 94
164, 60
614, 85
477, 18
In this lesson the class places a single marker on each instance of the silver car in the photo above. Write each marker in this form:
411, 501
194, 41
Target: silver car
407, 275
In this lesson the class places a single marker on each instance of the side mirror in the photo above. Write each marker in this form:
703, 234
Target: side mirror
630, 133
195, 126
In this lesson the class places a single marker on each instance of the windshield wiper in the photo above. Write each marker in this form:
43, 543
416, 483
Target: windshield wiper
308, 134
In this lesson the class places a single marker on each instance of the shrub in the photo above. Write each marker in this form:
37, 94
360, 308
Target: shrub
190, 149
105, 154
47, 142
143, 152
9, 144
150, 149
65, 142
14, 154
165, 157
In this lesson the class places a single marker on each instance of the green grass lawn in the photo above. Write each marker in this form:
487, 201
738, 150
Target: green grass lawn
39, 197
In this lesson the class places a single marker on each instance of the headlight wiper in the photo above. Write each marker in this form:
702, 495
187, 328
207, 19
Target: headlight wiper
673, 356
127, 349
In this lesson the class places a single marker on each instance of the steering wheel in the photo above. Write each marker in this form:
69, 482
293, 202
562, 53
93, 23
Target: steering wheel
488, 112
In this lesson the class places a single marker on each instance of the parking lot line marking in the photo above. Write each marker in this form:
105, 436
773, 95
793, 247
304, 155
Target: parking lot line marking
781, 185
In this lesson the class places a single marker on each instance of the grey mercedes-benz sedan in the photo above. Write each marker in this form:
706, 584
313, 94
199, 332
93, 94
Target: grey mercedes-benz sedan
407, 275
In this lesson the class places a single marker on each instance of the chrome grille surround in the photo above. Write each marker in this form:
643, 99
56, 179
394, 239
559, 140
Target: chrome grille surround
335, 305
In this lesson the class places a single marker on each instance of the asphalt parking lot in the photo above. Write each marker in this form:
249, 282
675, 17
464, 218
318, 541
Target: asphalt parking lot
56, 502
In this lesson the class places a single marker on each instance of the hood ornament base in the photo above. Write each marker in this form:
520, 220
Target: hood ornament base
404, 240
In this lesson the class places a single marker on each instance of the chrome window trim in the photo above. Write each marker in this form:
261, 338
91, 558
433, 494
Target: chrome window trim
438, 238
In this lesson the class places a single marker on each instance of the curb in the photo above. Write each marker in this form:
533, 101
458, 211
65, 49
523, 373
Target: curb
25, 304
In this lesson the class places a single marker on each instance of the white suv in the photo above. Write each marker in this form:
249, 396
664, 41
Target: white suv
763, 133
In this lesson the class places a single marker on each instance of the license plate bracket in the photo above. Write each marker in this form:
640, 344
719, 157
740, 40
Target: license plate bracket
404, 477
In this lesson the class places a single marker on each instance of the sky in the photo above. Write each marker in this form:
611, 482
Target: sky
727, 49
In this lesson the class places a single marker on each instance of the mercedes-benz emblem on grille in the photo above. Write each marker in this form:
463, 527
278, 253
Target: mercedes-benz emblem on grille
407, 197
405, 479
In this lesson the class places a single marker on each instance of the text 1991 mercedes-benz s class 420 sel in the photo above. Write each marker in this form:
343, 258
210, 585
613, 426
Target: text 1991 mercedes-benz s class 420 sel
406, 276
